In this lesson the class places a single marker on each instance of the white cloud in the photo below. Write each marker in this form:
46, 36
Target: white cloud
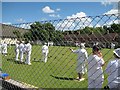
108, 2
98, 25
113, 21
7, 23
80, 19
20, 20
47, 9
65, 25
112, 11
105, 2
25, 26
74, 22
54, 15
58, 9
77, 15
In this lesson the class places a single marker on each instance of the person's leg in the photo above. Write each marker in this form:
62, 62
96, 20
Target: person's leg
17, 54
91, 84
21, 56
84, 68
80, 75
98, 83
28, 58
45, 57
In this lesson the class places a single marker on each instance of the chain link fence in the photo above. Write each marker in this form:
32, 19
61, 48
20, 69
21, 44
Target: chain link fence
57, 67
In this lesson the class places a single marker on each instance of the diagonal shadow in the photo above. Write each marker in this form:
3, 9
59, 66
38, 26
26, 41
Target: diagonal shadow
62, 78
13, 60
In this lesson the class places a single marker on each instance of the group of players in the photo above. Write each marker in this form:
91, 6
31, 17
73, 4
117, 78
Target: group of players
23, 48
95, 62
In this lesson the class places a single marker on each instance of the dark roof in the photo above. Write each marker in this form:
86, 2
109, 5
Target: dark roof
93, 37
7, 30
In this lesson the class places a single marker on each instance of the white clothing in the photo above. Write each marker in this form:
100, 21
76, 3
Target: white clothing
112, 45
16, 51
92, 83
0, 48
113, 71
21, 49
4, 48
28, 50
82, 56
44, 57
45, 52
95, 72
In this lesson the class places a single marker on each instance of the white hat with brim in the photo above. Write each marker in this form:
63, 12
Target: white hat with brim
117, 52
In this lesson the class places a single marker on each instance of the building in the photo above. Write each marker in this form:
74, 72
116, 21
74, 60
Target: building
6, 33
104, 40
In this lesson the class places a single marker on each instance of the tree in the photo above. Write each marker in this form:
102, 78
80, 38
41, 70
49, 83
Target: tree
115, 28
17, 33
44, 32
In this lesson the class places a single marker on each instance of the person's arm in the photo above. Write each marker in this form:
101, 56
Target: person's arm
100, 54
101, 61
86, 55
74, 51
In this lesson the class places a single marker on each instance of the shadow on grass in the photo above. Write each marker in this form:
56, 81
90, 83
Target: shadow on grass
13, 60
62, 78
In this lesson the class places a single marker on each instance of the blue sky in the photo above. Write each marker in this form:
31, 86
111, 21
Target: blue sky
21, 12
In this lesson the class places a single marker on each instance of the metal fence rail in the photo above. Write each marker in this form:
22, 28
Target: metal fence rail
59, 69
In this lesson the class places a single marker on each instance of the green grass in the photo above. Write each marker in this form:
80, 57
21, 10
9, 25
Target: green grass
58, 72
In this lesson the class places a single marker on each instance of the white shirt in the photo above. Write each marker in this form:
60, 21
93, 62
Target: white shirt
17, 47
112, 71
21, 47
95, 67
82, 54
28, 48
45, 49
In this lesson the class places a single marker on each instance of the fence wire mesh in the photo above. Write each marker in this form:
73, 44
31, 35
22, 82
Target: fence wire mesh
45, 59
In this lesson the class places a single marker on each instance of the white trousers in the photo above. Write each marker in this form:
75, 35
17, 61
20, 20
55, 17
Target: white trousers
95, 83
21, 56
81, 67
114, 85
44, 57
17, 55
28, 56
84, 68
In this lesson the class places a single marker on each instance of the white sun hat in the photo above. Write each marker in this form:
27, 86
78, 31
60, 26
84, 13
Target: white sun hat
117, 52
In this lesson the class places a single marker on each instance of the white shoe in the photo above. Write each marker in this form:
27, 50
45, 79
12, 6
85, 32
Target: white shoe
21, 61
82, 79
17, 60
29, 63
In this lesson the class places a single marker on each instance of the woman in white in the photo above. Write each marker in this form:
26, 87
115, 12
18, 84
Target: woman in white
17, 50
81, 61
4, 48
113, 71
45, 52
21, 49
28, 50
95, 72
